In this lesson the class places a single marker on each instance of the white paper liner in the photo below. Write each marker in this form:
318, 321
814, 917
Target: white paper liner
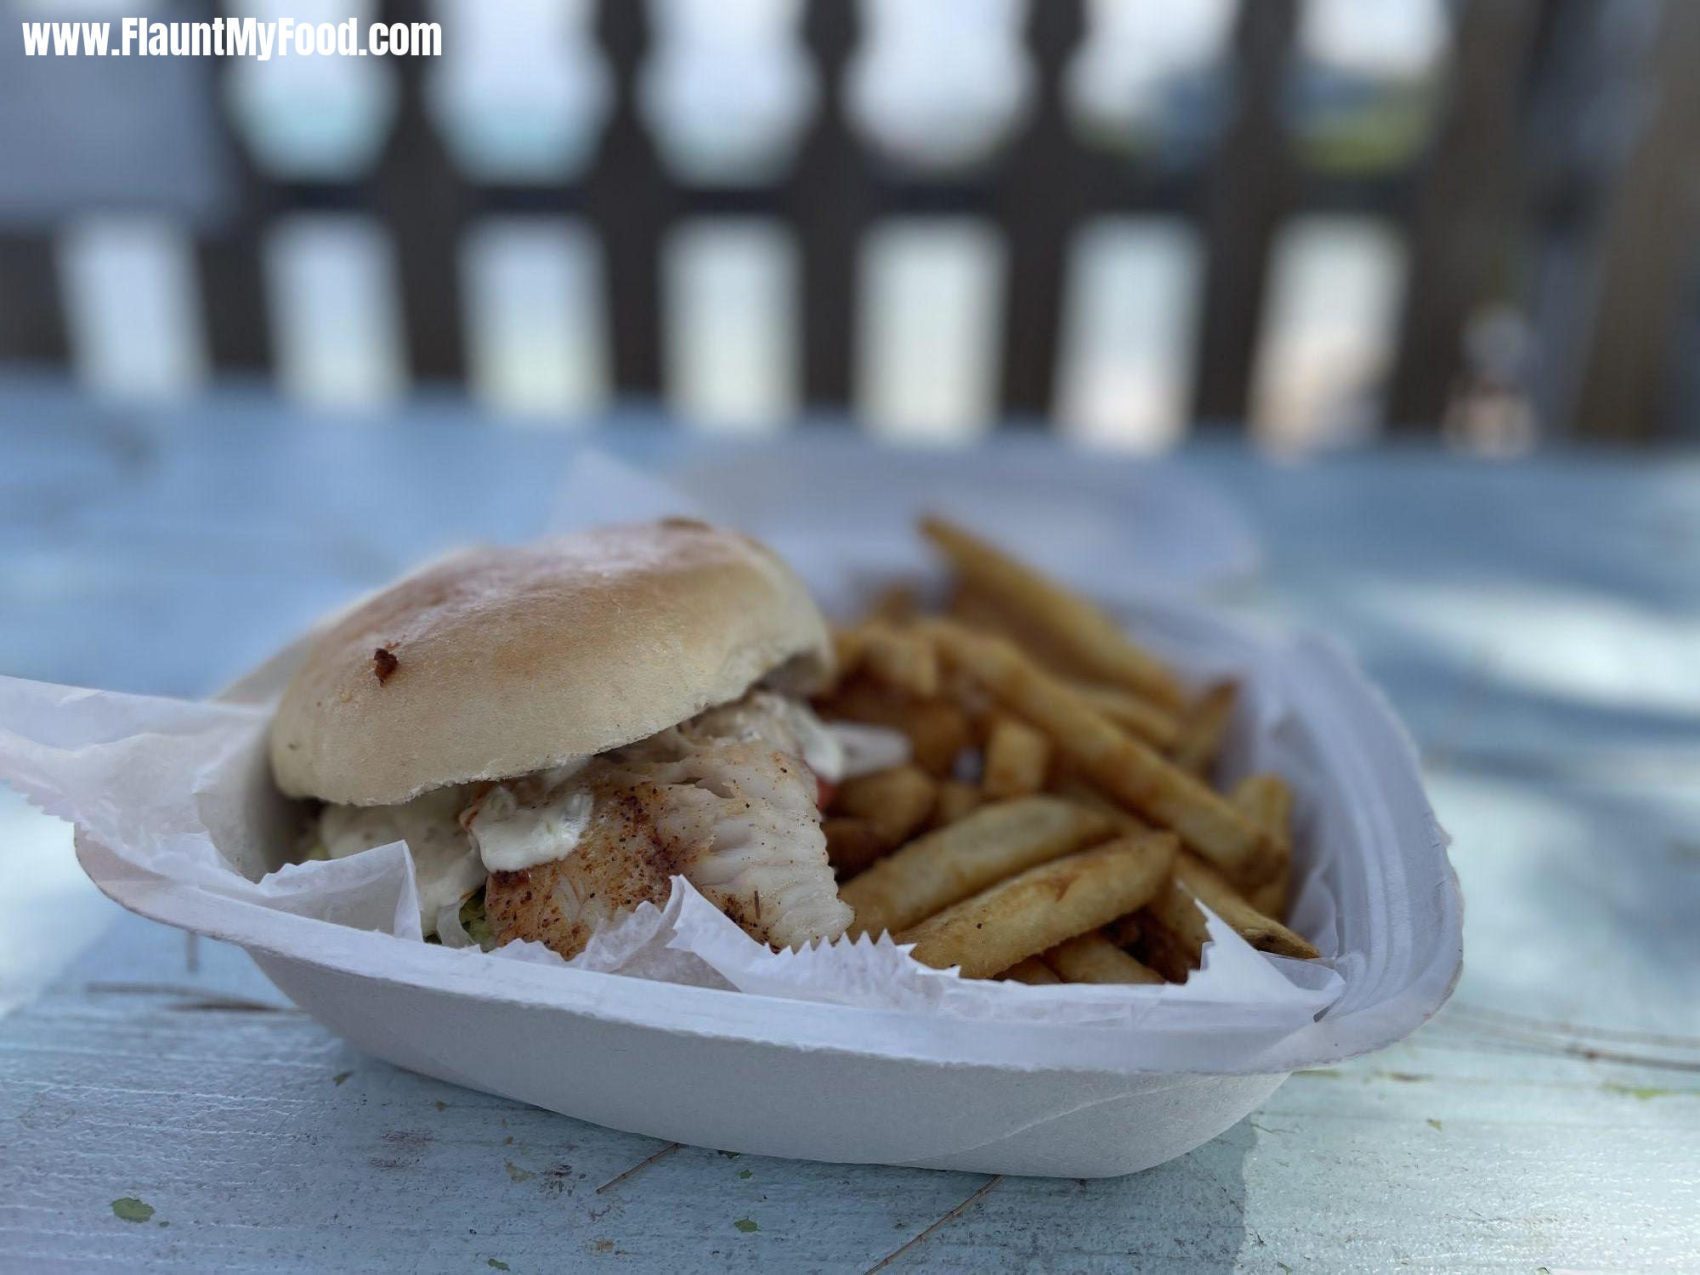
691, 941
182, 790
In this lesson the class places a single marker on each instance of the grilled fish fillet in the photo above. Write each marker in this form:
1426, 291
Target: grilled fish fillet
724, 800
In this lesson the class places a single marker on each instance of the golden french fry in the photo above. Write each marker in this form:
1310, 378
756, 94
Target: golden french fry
1150, 721
954, 862
896, 604
1078, 788
1203, 729
955, 800
1134, 714
1075, 625
1043, 906
1127, 770
1092, 958
976, 610
1017, 757
979, 710
848, 647
1267, 800
1274, 896
1262, 932
901, 659
938, 731
1033, 971
852, 844
1124, 931
894, 802
1173, 933
970, 607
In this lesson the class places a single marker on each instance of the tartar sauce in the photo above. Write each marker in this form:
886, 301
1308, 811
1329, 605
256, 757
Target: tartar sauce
835, 751
446, 868
866, 748
513, 833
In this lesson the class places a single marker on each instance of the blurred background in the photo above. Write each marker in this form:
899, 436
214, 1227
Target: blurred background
1324, 221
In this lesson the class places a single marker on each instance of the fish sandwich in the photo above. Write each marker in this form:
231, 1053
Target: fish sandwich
558, 730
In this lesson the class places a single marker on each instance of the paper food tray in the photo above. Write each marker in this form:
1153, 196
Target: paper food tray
849, 1052
1078, 1082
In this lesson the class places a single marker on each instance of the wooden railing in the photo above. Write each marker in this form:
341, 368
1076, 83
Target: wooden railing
1478, 207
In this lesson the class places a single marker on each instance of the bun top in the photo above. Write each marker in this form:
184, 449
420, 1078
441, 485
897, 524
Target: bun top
500, 661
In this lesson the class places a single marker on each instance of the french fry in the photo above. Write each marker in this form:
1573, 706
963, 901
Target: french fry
1035, 911
955, 800
952, 863
1262, 932
852, 844
1124, 931
937, 731
1173, 933
1133, 713
901, 659
969, 606
848, 647
1150, 721
1074, 624
894, 802
1081, 790
1017, 757
1267, 800
1033, 971
1274, 897
895, 604
979, 710
1127, 770
1092, 958
1203, 729
938, 734
1081, 735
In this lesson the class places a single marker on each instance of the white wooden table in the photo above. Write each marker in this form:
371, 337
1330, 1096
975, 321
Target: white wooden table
1537, 624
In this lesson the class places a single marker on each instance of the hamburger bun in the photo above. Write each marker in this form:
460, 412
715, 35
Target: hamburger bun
500, 661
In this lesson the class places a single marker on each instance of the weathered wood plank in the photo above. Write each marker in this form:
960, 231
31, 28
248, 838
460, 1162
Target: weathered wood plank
1252, 183
231, 276
280, 1145
830, 203
424, 204
627, 195
1039, 208
262, 1141
1466, 208
1645, 257
32, 315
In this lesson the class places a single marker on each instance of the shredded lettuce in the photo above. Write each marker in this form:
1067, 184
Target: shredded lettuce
463, 924
473, 921
458, 925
